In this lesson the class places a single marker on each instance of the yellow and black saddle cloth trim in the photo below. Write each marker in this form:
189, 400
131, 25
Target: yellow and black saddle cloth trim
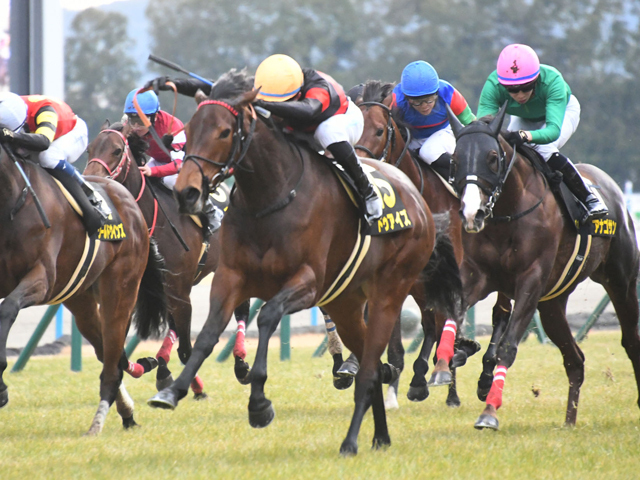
363, 242
574, 265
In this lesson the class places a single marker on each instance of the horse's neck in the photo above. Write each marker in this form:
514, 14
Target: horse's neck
11, 181
522, 180
406, 165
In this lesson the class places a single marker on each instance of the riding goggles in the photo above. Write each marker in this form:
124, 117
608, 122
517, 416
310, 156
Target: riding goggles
525, 87
417, 101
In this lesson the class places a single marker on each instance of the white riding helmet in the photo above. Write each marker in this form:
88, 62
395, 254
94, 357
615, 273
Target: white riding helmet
13, 110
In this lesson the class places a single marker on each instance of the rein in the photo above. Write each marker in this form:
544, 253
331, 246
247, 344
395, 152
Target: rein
124, 162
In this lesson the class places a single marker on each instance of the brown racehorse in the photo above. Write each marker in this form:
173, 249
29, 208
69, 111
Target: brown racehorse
116, 153
382, 139
39, 264
286, 237
521, 242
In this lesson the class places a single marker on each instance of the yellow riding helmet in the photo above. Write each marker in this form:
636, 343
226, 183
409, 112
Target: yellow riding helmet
280, 78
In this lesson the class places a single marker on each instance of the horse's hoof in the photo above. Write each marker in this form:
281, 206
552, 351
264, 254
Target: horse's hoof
200, 396
418, 394
483, 393
380, 443
349, 368
148, 363
390, 373
342, 383
453, 402
128, 423
165, 399
440, 379
486, 421
242, 370
263, 417
348, 449
162, 383
459, 359
4, 397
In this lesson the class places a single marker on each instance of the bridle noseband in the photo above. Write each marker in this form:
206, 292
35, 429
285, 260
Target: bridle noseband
239, 149
125, 159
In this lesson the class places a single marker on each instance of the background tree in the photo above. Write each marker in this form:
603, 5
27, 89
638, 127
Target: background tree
99, 72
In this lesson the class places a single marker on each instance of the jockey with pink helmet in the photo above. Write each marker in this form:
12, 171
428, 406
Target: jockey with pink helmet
544, 113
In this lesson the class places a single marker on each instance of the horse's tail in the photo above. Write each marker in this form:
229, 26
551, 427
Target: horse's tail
150, 315
441, 276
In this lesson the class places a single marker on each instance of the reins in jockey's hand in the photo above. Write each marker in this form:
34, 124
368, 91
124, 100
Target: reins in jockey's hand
27, 188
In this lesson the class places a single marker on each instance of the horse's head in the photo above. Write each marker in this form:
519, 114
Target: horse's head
112, 152
218, 136
481, 168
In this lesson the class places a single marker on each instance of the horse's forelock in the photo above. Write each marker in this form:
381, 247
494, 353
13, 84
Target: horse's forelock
231, 85
376, 90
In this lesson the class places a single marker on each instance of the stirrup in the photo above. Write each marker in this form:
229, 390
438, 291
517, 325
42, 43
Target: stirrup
373, 207
596, 208
100, 205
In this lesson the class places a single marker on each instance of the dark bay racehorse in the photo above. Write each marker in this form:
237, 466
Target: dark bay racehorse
116, 153
39, 265
520, 243
383, 140
287, 236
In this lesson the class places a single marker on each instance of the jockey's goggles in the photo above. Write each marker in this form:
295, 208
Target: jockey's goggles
136, 120
417, 101
525, 87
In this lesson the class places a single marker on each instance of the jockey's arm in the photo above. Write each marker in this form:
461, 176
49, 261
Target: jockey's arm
46, 123
185, 86
302, 110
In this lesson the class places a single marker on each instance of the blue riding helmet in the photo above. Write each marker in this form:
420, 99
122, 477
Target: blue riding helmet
419, 79
148, 102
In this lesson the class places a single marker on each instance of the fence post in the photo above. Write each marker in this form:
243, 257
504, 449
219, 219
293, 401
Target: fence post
470, 330
228, 348
285, 338
76, 347
59, 322
131, 346
27, 351
322, 347
593, 318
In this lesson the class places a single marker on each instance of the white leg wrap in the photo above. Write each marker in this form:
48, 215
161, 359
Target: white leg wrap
99, 419
124, 402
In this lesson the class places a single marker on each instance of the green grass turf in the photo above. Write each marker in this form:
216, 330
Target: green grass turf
50, 408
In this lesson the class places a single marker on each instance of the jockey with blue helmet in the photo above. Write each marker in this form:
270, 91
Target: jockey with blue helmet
420, 101
43, 124
544, 114
160, 164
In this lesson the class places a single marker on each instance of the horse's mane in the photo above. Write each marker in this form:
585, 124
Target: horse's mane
137, 144
376, 90
231, 84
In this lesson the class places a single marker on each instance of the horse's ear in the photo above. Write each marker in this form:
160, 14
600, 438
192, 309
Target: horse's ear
105, 125
247, 97
496, 123
200, 96
456, 125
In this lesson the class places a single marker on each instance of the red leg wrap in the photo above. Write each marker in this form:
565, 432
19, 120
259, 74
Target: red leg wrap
495, 394
445, 347
197, 385
135, 370
167, 345
239, 349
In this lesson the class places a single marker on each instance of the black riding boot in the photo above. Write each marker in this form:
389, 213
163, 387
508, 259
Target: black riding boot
211, 217
572, 179
346, 156
92, 217
442, 165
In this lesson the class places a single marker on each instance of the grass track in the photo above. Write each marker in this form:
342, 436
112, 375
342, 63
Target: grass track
51, 407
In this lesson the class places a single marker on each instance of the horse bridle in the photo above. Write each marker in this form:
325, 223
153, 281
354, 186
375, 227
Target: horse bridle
391, 136
239, 149
124, 162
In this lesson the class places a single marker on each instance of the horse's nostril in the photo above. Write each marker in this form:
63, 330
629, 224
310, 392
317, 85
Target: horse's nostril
192, 195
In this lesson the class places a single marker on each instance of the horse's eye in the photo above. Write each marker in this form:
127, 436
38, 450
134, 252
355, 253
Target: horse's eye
493, 163
225, 133
117, 152
379, 132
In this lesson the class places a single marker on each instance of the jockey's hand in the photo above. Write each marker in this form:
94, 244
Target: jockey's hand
516, 138
159, 83
145, 170
167, 140
6, 134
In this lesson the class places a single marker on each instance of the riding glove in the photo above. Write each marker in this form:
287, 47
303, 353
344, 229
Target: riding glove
6, 134
516, 138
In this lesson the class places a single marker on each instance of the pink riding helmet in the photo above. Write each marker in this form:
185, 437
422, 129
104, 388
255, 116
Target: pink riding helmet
517, 64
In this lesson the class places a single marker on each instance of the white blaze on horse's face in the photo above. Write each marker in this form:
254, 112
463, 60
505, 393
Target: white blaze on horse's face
471, 202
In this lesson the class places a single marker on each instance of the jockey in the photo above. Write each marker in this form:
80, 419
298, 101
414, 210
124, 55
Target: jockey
544, 113
312, 101
43, 124
420, 101
160, 164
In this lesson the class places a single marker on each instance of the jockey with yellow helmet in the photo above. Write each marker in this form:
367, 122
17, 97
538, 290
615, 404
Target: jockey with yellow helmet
312, 101
39, 123
544, 113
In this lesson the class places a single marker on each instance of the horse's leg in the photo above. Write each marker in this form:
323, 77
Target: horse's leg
554, 321
527, 293
124, 405
334, 345
395, 356
418, 389
241, 368
500, 320
448, 330
163, 375
297, 294
30, 291
223, 298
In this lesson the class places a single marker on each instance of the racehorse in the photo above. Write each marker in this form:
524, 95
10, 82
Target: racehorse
383, 140
520, 244
47, 266
287, 238
116, 153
